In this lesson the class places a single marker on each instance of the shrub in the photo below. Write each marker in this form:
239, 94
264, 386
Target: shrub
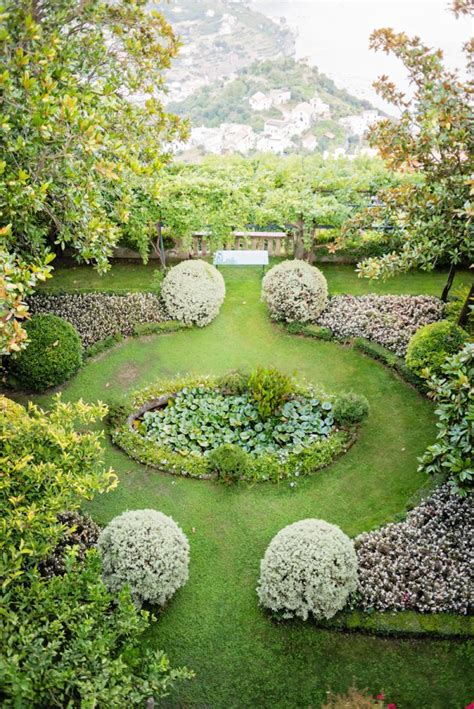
66, 642
295, 291
389, 320
193, 292
432, 344
309, 567
80, 532
356, 699
234, 382
350, 408
229, 462
53, 353
452, 455
269, 389
98, 316
423, 563
147, 551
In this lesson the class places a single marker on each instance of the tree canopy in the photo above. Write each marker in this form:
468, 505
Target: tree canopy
432, 141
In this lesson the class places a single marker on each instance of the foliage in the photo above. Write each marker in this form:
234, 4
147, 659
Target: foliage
48, 466
389, 320
197, 420
299, 441
97, 316
462, 294
53, 354
423, 563
431, 138
355, 699
350, 408
381, 354
309, 568
295, 291
67, 642
80, 532
17, 280
269, 388
76, 149
146, 551
431, 345
229, 461
453, 392
193, 292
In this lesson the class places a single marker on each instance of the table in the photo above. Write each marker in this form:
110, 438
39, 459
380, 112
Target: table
241, 257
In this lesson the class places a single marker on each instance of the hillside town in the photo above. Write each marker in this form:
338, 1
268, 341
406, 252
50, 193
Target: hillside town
279, 135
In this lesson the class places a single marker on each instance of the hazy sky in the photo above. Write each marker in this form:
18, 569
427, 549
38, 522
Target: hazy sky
334, 34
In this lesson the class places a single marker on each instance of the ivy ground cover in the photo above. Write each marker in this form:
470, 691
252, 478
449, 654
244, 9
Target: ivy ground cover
214, 625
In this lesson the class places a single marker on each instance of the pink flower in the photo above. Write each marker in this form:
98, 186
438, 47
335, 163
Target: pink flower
380, 696
470, 706
391, 706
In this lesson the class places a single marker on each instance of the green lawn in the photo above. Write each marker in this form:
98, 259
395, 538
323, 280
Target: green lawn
341, 278
213, 625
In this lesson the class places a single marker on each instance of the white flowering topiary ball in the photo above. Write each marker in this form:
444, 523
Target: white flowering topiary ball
193, 292
309, 567
295, 291
147, 551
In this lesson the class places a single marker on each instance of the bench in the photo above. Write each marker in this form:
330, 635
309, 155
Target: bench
241, 257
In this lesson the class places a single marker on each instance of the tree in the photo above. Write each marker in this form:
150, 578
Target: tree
83, 132
432, 141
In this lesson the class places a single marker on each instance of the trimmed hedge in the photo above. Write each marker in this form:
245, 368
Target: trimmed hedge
52, 356
430, 346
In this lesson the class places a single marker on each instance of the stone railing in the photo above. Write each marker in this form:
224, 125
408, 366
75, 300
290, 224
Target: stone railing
277, 243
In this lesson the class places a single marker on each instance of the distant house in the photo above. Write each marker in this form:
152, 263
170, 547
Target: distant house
309, 142
237, 138
302, 116
260, 102
271, 144
277, 129
359, 124
329, 135
320, 108
208, 138
280, 96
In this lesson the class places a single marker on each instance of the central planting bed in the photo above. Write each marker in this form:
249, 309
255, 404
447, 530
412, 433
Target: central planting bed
262, 426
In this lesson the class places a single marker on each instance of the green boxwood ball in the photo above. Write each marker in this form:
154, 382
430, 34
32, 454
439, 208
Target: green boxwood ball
432, 344
53, 353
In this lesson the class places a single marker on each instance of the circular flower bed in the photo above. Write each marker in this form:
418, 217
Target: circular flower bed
283, 428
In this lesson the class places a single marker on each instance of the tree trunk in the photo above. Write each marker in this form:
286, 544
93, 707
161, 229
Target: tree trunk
159, 246
449, 283
299, 242
464, 314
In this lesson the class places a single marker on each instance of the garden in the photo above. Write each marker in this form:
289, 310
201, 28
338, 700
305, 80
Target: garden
222, 487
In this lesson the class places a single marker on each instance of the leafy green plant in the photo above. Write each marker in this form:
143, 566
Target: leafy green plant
53, 353
229, 462
269, 388
431, 344
350, 408
234, 382
453, 391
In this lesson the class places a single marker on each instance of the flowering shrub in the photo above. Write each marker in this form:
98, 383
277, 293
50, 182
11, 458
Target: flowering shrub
431, 344
177, 431
422, 564
53, 353
295, 291
97, 316
309, 567
193, 292
146, 551
453, 455
390, 320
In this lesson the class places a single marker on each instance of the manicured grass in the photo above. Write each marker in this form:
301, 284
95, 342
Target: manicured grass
341, 278
241, 657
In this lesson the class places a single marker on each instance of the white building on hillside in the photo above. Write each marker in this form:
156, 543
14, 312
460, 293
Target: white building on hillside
302, 116
280, 96
277, 129
260, 102
271, 144
320, 108
360, 124
237, 138
208, 138
309, 142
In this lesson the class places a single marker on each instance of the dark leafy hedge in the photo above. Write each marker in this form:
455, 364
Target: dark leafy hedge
53, 354
432, 344
81, 532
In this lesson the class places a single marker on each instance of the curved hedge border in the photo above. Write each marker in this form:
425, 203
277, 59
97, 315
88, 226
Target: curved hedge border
264, 467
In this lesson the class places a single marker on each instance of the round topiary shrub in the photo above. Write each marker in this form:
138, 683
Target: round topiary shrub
432, 344
309, 567
295, 291
147, 551
53, 353
350, 408
193, 292
229, 462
